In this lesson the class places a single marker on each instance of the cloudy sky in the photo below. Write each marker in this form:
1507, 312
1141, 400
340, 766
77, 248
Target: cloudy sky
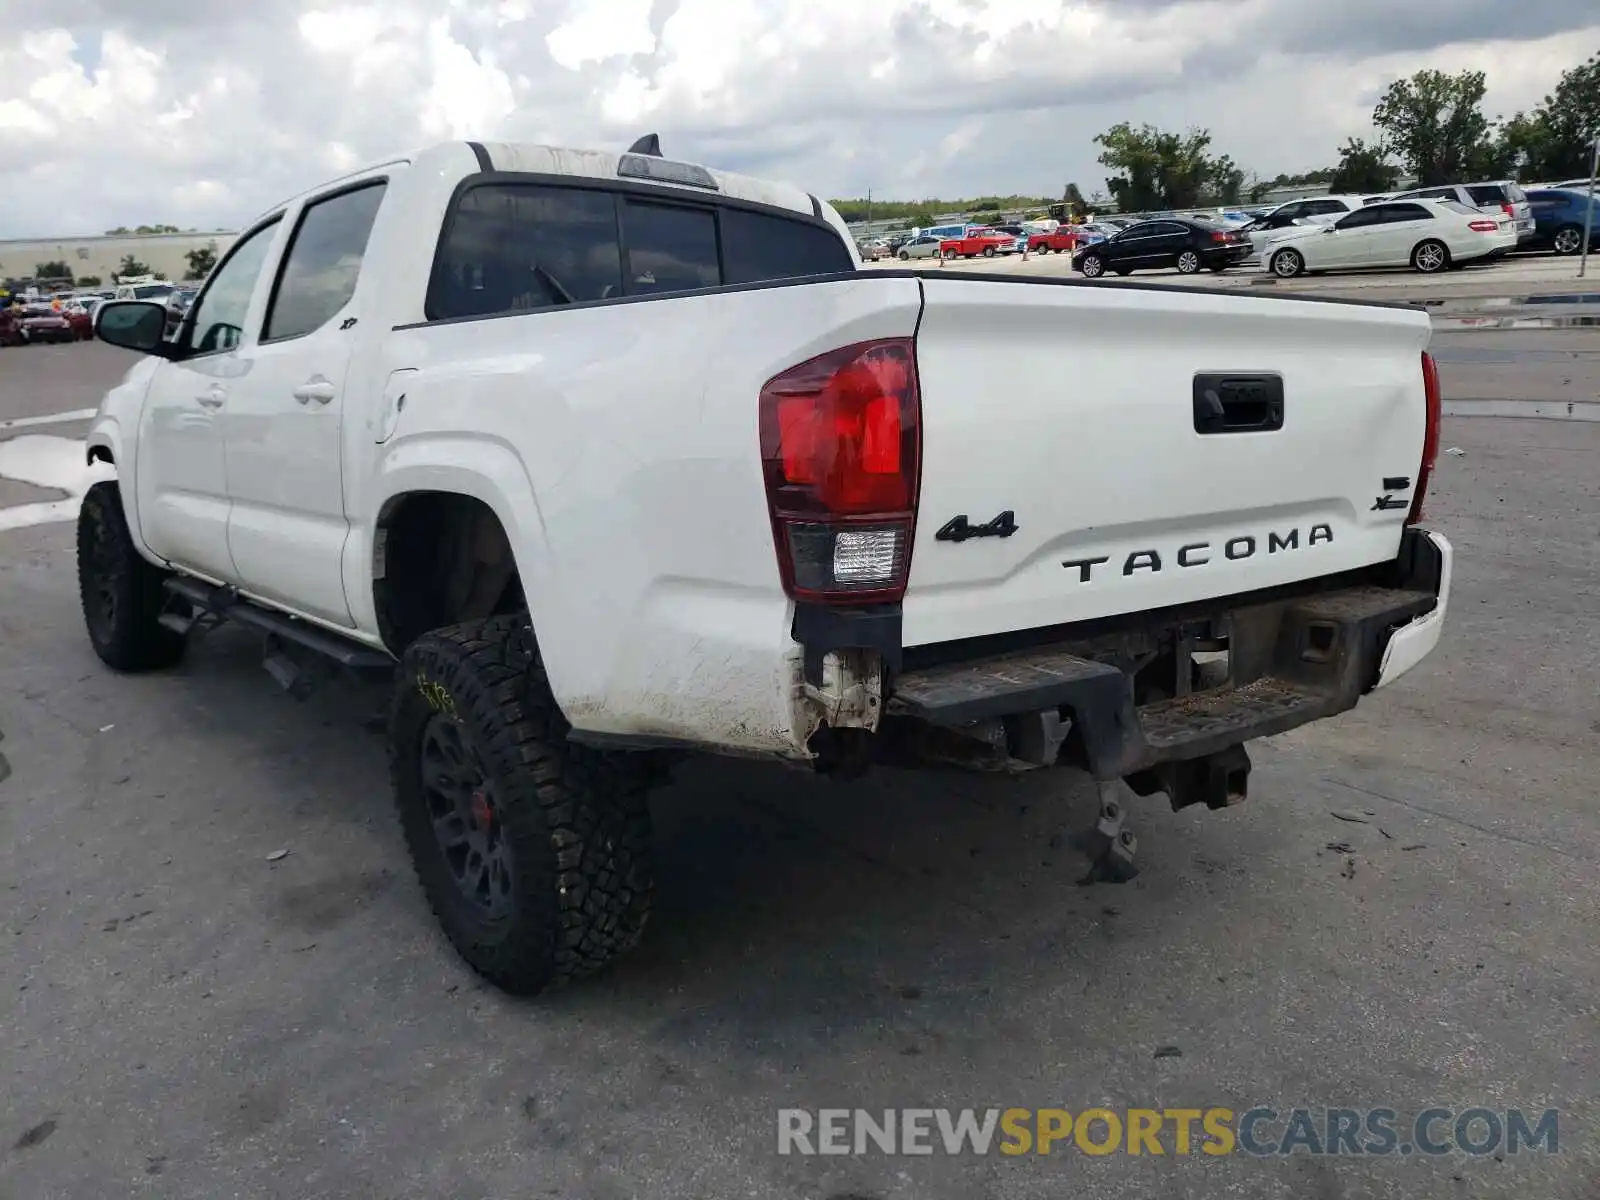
122, 112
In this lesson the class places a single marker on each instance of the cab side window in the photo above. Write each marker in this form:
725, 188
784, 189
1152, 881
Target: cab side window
319, 272
1408, 212
1363, 216
217, 320
517, 247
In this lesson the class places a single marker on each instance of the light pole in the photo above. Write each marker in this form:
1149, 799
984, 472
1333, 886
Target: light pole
1588, 212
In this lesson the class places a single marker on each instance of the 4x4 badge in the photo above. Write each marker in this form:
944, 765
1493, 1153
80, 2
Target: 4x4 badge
959, 529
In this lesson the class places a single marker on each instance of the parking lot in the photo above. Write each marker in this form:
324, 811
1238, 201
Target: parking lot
1523, 272
1402, 915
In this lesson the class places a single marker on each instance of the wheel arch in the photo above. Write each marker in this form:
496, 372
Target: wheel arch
103, 443
104, 447
456, 535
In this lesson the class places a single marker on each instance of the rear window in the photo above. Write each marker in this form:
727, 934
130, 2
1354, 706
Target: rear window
516, 247
670, 248
1487, 193
758, 246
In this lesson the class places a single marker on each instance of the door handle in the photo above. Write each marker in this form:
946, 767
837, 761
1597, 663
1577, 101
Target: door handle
314, 390
212, 397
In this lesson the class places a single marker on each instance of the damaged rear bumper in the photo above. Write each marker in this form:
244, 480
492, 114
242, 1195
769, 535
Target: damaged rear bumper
1290, 658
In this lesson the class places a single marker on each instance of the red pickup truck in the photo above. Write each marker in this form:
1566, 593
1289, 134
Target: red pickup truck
1062, 241
987, 242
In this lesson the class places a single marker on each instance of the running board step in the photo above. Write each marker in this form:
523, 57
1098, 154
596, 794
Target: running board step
228, 604
177, 622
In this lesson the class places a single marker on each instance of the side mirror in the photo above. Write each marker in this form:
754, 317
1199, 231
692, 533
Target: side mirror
134, 325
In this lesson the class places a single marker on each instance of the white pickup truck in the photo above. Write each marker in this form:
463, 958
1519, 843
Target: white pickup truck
618, 456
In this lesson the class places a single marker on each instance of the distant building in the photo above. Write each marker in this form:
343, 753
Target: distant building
163, 253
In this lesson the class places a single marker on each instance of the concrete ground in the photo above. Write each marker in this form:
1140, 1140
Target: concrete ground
187, 1014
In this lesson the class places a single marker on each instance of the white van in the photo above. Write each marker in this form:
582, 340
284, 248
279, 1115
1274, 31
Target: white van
157, 290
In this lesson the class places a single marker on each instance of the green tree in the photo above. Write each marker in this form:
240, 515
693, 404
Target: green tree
1227, 181
1156, 169
131, 266
1527, 143
148, 229
1362, 168
1153, 169
88, 281
201, 260
1321, 175
119, 231
1433, 123
54, 269
1556, 140
1136, 158
924, 212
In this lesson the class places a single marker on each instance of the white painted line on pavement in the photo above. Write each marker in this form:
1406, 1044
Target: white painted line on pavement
77, 414
47, 461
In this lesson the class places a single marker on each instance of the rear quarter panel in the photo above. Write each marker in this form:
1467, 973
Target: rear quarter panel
643, 538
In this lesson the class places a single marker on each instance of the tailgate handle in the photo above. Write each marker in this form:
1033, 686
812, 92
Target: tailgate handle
1238, 403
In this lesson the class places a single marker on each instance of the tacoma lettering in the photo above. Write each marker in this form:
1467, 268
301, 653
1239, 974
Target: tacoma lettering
1085, 566
1198, 554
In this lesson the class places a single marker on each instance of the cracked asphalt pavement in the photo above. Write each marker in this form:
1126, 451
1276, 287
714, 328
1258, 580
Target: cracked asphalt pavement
189, 1013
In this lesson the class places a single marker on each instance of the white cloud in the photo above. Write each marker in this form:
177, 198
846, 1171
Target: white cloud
595, 32
121, 112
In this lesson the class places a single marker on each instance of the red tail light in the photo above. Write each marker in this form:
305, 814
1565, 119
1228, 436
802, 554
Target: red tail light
841, 445
1430, 437
1219, 236
1483, 226
1510, 210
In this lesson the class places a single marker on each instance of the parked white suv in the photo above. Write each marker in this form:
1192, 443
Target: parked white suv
1504, 196
1293, 215
602, 458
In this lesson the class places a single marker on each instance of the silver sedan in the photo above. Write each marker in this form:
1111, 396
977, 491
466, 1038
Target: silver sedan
926, 246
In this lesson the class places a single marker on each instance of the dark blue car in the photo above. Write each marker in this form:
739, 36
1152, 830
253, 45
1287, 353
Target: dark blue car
1558, 220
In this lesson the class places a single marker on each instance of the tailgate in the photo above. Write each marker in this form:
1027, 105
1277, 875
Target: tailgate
1077, 409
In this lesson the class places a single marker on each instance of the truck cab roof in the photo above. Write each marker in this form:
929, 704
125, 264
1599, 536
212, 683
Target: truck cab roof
532, 158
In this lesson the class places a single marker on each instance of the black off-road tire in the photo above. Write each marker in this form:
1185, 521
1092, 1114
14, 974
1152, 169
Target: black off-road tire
120, 591
574, 821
